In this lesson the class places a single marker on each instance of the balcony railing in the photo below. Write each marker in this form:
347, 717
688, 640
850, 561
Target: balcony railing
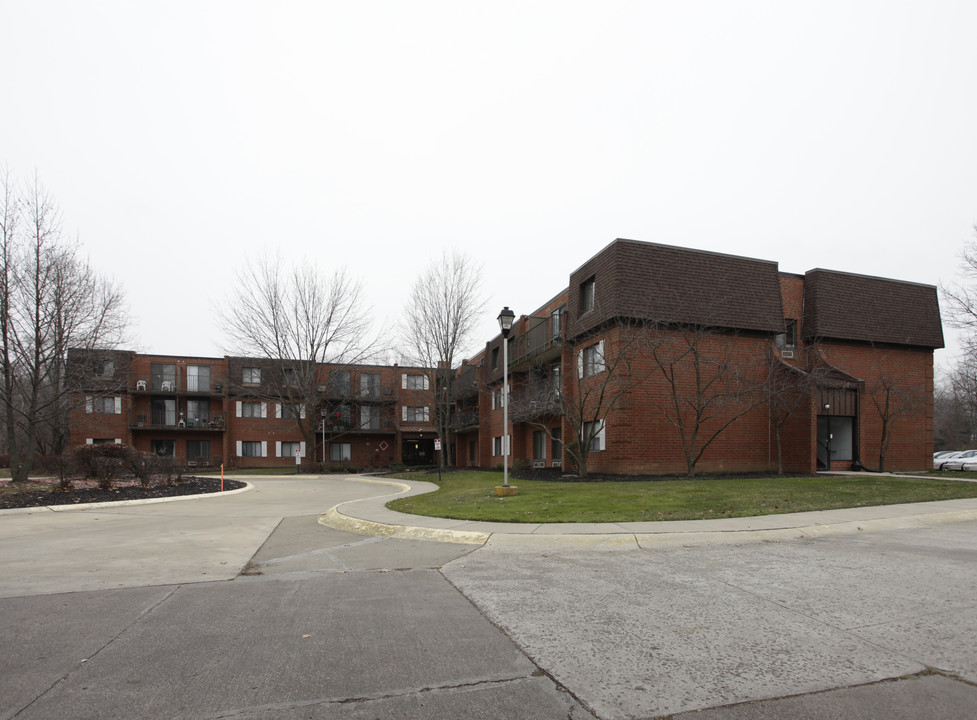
161, 419
465, 418
542, 340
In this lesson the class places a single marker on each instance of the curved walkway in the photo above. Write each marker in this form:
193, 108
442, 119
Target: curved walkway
369, 516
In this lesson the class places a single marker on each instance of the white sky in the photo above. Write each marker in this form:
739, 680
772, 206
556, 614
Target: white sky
182, 138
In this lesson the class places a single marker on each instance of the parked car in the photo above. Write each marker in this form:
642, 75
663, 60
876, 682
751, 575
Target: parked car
956, 462
941, 457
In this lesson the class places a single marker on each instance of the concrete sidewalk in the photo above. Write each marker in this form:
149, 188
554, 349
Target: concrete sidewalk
369, 516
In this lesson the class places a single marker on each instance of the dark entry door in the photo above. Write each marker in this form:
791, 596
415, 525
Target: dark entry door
418, 452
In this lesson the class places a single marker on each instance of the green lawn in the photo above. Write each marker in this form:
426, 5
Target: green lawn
469, 496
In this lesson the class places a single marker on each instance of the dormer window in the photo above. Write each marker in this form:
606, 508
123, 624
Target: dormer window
587, 296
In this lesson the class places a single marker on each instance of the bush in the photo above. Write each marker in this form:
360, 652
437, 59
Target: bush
105, 462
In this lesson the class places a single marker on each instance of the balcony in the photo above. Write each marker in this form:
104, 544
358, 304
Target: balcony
542, 342
465, 383
162, 420
464, 419
538, 399
172, 385
375, 392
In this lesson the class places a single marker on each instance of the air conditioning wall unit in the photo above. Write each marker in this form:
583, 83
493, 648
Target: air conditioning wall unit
787, 354
322, 388
539, 464
558, 463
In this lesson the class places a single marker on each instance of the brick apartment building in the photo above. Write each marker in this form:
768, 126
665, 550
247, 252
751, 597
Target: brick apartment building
240, 412
691, 341
845, 344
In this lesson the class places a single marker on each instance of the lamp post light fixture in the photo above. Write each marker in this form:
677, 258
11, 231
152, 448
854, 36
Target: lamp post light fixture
505, 324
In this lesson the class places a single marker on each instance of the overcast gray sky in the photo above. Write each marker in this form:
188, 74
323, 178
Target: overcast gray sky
181, 139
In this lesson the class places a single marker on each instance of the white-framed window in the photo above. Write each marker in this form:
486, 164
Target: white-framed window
251, 376
103, 405
497, 449
595, 432
287, 412
414, 382
788, 338
415, 414
288, 449
340, 452
251, 409
252, 448
590, 360
498, 399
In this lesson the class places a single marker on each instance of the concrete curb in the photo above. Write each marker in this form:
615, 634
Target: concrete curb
122, 503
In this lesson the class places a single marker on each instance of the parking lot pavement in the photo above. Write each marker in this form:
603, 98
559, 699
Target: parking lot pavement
326, 645
641, 633
246, 607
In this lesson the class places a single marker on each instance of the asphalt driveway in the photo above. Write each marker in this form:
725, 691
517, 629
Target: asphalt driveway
245, 606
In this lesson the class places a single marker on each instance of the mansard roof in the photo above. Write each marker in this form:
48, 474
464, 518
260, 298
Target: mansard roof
845, 306
663, 283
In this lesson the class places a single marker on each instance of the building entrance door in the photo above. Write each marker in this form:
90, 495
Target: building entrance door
418, 452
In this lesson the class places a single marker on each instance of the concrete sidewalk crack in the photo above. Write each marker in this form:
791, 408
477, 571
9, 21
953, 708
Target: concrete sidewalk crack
81, 664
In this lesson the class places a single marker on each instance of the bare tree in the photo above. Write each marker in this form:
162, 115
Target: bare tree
960, 299
609, 368
439, 325
892, 400
298, 319
52, 300
709, 385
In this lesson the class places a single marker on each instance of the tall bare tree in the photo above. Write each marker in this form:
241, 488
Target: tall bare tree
960, 298
439, 324
298, 318
51, 300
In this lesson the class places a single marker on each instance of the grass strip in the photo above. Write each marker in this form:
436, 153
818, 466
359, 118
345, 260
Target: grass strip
468, 495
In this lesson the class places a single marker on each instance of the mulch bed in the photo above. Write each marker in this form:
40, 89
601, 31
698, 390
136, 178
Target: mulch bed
40, 493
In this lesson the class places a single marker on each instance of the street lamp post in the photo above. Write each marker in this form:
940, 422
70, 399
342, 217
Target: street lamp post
505, 324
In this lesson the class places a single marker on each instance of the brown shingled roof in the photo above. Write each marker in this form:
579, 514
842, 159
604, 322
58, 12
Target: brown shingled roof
859, 307
678, 285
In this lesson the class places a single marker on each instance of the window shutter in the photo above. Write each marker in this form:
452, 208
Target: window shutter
118, 405
264, 448
89, 441
240, 445
264, 412
403, 381
278, 449
118, 441
599, 365
404, 413
427, 383
580, 363
302, 449
238, 415
89, 404
278, 410
302, 415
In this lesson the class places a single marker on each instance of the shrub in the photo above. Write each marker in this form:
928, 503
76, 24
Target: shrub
104, 462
